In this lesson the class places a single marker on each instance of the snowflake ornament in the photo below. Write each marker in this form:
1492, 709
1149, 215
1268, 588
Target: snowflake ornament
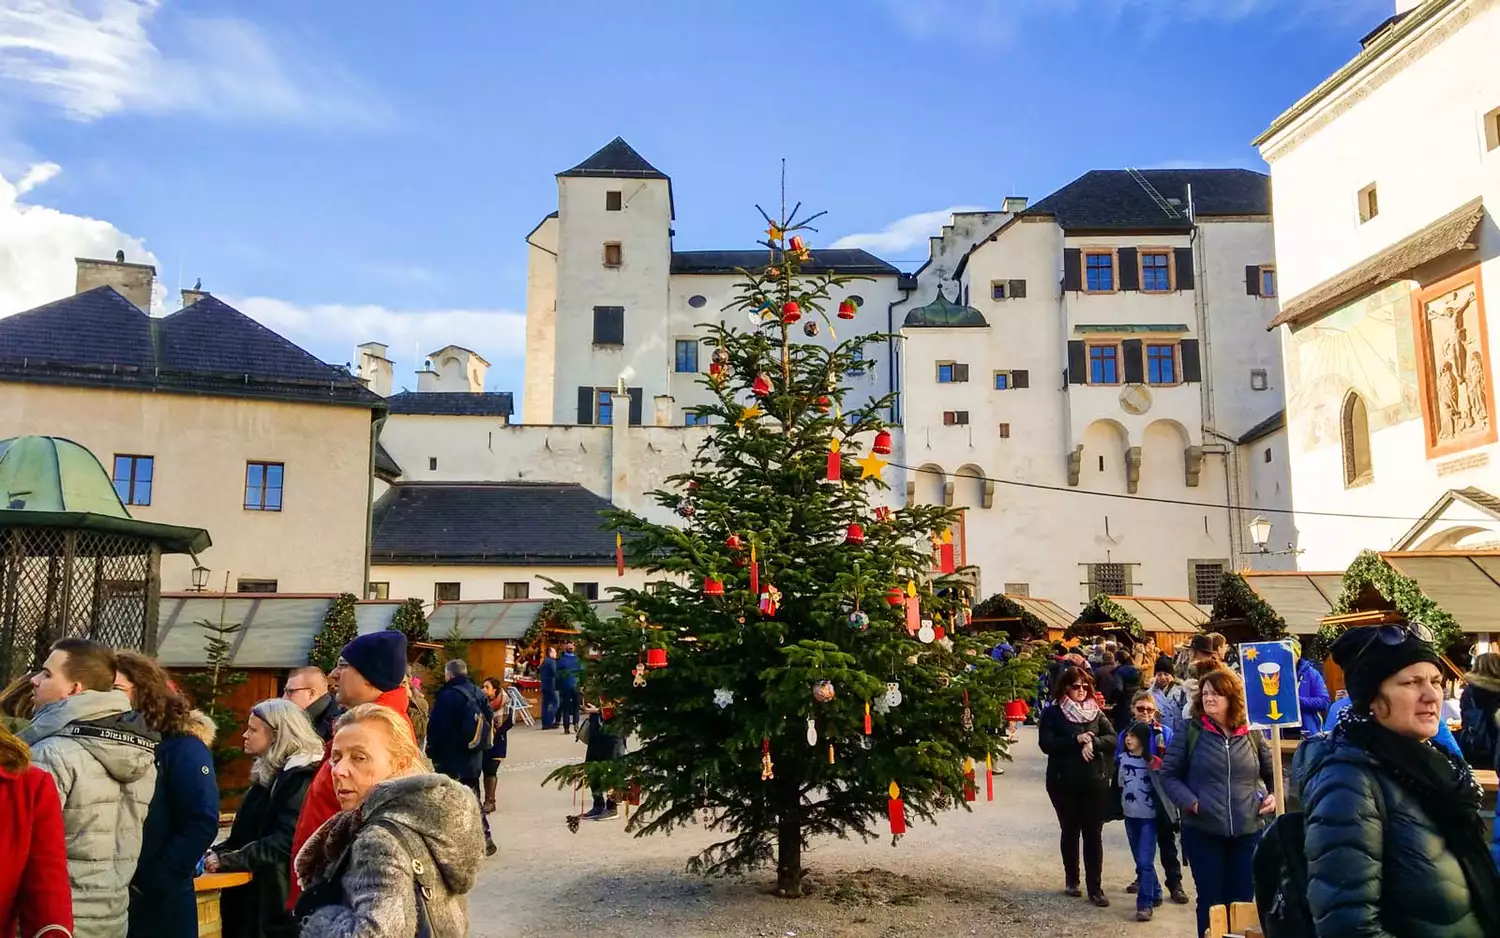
723, 697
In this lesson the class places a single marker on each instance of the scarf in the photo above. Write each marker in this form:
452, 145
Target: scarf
1448, 793
1085, 712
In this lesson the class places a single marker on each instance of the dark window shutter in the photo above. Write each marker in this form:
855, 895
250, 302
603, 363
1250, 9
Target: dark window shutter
635, 406
960, 372
1184, 268
961, 418
1130, 271
1020, 379
1072, 269
1135, 368
609, 325
1252, 280
1192, 369
1017, 290
1078, 362
585, 405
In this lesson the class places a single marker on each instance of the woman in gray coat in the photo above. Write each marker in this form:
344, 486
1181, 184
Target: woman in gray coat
403, 852
1219, 772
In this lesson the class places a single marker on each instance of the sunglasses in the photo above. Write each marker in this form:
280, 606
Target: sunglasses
1394, 635
1143, 708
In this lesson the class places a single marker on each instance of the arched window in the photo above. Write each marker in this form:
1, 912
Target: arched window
1356, 440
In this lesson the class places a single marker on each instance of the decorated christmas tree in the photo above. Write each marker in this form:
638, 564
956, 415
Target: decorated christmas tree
800, 664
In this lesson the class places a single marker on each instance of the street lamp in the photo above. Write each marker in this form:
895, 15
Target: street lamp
1260, 535
200, 578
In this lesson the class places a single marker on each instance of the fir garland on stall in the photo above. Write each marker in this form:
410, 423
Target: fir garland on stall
1402, 591
1102, 610
339, 629
1236, 600
1000, 606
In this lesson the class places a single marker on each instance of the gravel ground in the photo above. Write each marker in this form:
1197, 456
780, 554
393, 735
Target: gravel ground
992, 872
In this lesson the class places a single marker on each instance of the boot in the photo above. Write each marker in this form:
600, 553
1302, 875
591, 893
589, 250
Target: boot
489, 794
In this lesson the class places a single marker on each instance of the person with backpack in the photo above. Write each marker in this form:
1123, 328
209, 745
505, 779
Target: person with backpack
1218, 771
459, 733
1479, 705
1393, 840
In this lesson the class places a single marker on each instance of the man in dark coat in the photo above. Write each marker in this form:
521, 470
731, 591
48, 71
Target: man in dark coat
548, 675
307, 687
568, 669
456, 729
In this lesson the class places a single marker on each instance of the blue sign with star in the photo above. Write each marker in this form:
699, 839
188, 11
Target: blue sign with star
1270, 672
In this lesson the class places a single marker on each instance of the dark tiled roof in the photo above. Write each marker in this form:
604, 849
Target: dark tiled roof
385, 466
491, 522
453, 403
616, 158
943, 312
101, 339
1103, 199
839, 260
1265, 428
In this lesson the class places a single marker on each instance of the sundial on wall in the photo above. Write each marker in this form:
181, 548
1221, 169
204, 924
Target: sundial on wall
1135, 399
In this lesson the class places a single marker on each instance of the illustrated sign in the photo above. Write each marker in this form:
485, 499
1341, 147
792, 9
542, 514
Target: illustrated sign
1270, 684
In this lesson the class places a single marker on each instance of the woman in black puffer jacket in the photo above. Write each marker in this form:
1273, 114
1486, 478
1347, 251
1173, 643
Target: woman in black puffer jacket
1080, 743
1395, 845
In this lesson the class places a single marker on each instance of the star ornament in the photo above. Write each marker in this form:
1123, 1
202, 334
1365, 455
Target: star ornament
871, 465
749, 414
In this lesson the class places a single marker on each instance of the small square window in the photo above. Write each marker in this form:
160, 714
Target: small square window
1004, 431
1156, 272
1111, 579
1268, 281
953, 418
613, 201
945, 372
1104, 364
446, 592
690, 419
255, 586
1161, 364
1207, 578
589, 591
378, 590
263, 486
687, 355
1017, 589
604, 406
1369, 203
515, 591
1259, 381
1002, 381
609, 325
997, 289
612, 254
132, 478
1100, 272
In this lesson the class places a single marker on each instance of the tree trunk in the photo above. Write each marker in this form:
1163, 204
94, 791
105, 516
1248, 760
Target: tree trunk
789, 870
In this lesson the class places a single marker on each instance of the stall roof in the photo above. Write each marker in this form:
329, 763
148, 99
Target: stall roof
1048, 611
507, 619
276, 631
1301, 598
1164, 615
1465, 583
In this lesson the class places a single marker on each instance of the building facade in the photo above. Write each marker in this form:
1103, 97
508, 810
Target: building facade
203, 418
1387, 242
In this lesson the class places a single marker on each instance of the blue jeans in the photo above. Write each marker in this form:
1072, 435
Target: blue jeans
1141, 833
1221, 866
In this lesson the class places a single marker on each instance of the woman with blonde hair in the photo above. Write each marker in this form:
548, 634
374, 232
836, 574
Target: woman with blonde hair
403, 852
286, 749
184, 812
17, 702
35, 893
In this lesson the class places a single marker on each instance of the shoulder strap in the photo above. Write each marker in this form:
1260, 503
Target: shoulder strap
420, 874
1193, 732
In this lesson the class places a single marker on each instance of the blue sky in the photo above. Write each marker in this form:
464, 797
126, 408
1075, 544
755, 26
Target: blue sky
363, 171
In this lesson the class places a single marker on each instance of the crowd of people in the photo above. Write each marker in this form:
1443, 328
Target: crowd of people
1388, 798
109, 800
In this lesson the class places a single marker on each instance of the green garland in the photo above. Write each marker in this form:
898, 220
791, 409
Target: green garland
1000, 606
1236, 600
411, 621
1402, 591
339, 629
1102, 609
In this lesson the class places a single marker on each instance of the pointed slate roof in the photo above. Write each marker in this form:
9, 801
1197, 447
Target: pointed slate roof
943, 313
619, 159
100, 339
491, 523
840, 260
1113, 199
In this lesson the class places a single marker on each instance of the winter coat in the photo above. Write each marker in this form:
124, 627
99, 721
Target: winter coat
1227, 777
451, 728
321, 803
1377, 865
1066, 770
324, 712
1312, 696
182, 822
260, 843
602, 745
547, 674
502, 720
1444, 740
102, 757
34, 891
568, 669
366, 857
1171, 704
1479, 706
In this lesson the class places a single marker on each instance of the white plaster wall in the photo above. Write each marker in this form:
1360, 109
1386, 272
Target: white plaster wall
488, 582
541, 323
1267, 491
1237, 340
639, 284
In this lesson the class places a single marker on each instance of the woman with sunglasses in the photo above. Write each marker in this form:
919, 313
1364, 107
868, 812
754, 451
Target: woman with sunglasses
1395, 845
1077, 738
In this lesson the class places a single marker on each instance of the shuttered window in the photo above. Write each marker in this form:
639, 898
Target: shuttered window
953, 418
1104, 364
1161, 364
1183, 267
1134, 368
1099, 272
1129, 279
1156, 272
609, 325
1192, 369
952, 372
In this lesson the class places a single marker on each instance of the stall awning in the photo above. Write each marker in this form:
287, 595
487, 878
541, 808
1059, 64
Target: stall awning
1466, 584
1302, 599
276, 629
1164, 615
1045, 609
504, 619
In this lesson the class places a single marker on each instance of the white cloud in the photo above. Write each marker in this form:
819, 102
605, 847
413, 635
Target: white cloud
105, 57
903, 233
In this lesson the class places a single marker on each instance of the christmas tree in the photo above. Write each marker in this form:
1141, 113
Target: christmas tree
801, 665
339, 629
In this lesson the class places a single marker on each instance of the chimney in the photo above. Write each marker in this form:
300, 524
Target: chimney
375, 369
663, 409
427, 378
1014, 204
189, 297
132, 281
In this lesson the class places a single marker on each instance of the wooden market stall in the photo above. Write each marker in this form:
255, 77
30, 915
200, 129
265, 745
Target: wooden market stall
1135, 619
1301, 598
1022, 618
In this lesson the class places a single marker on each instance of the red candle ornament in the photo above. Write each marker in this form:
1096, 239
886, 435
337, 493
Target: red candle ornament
712, 586
790, 312
869, 727
835, 463
855, 534
896, 810
989, 778
913, 615
945, 553
619, 555
754, 573
971, 791
656, 658
761, 386
847, 309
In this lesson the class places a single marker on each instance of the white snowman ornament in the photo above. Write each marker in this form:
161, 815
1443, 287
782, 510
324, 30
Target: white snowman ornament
925, 634
892, 694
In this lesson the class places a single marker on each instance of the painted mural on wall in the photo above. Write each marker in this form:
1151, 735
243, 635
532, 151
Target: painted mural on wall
1451, 344
1366, 346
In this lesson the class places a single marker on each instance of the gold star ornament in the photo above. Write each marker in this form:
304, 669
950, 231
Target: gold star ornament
871, 465
749, 414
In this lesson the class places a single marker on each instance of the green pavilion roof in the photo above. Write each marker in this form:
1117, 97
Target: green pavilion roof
943, 314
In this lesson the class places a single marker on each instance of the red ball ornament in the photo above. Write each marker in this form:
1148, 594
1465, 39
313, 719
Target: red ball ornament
895, 596
761, 386
847, 309
824, 404
733, 542
656, 657
791, 312
855, 534
713, 586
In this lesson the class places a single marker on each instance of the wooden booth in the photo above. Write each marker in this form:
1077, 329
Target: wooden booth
1132, 620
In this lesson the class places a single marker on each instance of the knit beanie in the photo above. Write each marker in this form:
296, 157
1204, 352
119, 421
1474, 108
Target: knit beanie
1367, 660
1164, 666
379, 657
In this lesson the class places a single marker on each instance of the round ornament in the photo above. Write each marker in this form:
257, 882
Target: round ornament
822, 691
686, 509
721, 356
810, 328
859, 620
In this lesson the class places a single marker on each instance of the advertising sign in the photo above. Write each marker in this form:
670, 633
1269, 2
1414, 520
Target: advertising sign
1270, 670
